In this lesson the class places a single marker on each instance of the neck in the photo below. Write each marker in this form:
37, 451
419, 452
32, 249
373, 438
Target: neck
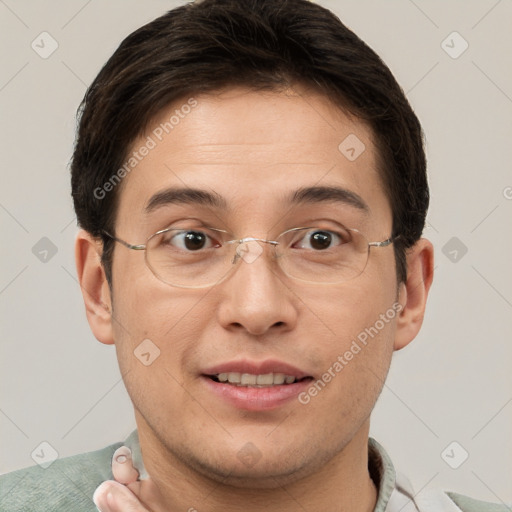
342, 484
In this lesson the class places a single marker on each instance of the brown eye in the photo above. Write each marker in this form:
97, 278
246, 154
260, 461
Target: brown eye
320, 240
194, 240
189, 241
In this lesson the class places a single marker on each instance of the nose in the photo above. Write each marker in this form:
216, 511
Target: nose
256, 297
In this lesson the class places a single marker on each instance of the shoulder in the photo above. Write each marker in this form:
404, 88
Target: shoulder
404, 498
467, 504
436, 500
67, 484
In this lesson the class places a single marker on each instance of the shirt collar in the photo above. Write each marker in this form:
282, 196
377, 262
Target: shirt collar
382, 473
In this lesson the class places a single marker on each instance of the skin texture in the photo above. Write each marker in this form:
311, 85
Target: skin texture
254, 149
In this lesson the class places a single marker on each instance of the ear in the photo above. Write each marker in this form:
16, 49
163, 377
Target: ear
413, 293
94, 286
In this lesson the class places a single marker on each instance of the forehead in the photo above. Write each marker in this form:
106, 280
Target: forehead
253, 150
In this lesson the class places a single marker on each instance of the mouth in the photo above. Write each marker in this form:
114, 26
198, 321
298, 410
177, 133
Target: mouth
255, 386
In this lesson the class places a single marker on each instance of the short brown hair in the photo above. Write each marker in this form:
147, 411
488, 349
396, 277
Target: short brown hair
263, 44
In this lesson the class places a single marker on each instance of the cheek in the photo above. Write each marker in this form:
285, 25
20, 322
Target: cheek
156, 332
354, 367
355, 344
153, 318
342, 313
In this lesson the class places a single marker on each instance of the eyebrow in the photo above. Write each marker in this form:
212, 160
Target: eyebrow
185, 196
327, 194
304, 195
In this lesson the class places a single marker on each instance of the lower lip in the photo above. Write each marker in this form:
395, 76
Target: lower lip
256, 399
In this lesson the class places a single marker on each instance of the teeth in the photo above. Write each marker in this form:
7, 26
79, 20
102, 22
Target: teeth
279, 378
234, 378
248, 379
265, 380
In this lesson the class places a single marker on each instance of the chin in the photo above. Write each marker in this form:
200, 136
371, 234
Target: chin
251, 469
271, 475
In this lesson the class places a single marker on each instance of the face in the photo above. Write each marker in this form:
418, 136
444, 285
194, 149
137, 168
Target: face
254, 151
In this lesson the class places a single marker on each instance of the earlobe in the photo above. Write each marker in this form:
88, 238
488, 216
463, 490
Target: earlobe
94, 286
414, 292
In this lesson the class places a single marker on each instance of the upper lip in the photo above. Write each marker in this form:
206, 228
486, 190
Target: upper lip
256, 368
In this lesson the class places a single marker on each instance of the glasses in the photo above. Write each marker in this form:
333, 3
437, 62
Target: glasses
202, 257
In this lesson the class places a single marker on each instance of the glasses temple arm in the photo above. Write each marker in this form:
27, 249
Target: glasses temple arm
140, 247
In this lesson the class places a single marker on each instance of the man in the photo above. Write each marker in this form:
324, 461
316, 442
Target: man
251, 186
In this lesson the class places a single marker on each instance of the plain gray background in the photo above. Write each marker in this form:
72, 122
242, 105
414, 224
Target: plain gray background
453, 383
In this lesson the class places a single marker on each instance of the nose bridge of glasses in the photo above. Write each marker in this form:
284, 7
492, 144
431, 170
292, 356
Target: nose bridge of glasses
249, 248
